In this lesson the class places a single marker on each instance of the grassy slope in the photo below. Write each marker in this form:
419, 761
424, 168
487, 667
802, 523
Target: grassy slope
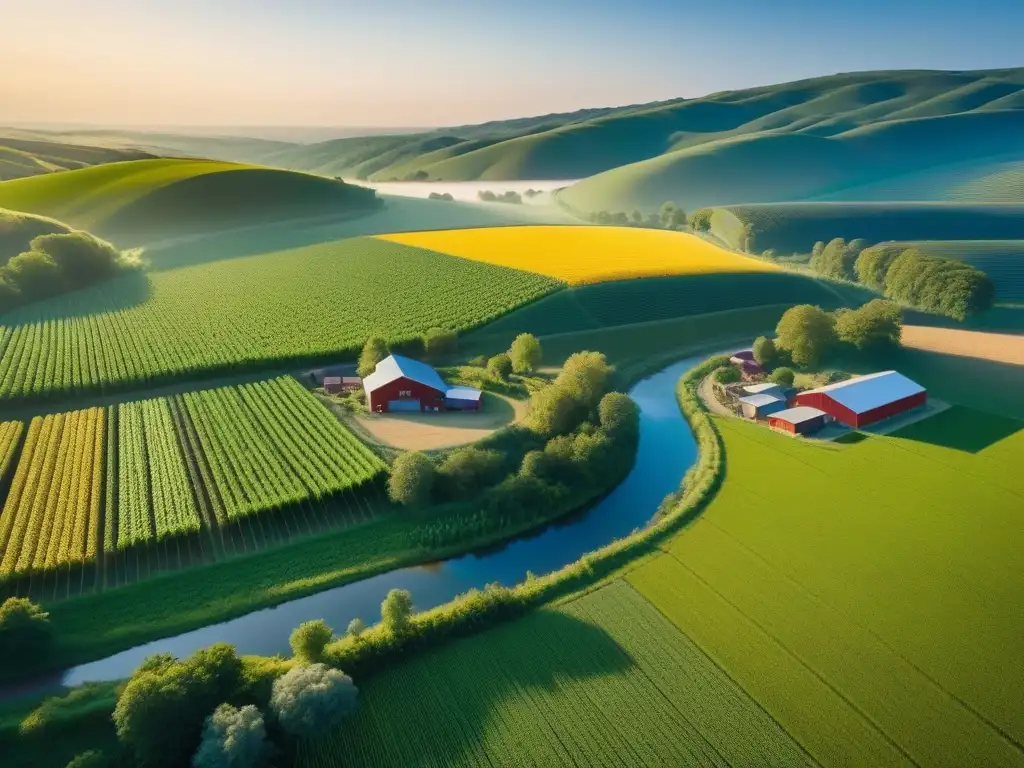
795, 227
21, 157
18, 229
1002, 260
149, 197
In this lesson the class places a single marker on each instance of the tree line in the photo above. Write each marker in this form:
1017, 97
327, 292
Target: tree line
909, 275
58, 263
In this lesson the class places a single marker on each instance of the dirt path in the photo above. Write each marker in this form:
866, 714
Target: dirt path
998, 347
707, 394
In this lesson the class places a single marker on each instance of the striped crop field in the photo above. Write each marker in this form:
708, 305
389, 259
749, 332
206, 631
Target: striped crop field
259, 312
602, 681
582, 255
866, 595
92, 485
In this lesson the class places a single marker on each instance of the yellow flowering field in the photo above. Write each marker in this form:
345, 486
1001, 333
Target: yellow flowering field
584, 254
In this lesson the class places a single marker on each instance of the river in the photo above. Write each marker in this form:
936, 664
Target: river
666, 450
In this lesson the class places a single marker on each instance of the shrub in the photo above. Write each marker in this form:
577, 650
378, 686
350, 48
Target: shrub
873, 263
526, 353
764, 351
554, 411
438, 342
356, 627
727, 374
480, 361
806, 332
374, 350
466, 470
700, 220
618, 414
308, 640
412, 479
837, 259
159, 714
26, 635
500, 367
585, 377
783, 376
233, 738
91, 759
396, 611
876, 325
309, 701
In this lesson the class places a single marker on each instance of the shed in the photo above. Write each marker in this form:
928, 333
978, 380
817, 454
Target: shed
759, 406
764, 388
866, 400
399, 383
744, 355
462, 399
802, 420
335, 384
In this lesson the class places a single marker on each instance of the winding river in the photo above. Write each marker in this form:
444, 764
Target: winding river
666, 451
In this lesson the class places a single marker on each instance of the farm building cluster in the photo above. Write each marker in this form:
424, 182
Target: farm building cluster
400, 384
855, 403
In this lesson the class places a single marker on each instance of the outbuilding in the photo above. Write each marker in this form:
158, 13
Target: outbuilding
764, 388
462, 399
866, 400
802, 420
335, 384
759, 406
400, 384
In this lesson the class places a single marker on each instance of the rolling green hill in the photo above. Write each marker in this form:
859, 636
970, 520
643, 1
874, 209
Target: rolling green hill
148, 197
795, 227
21, 157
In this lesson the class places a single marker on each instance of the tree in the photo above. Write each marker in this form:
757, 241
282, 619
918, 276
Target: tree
396, 612
526, 353
160, 713
727, 374
876, 325
26, 635
637, 217
764, 351
806, 332
618, 414
309, 639
466, 470
309, 701
438, 342
233, 738
374, 350
666, 214
412, 479
585, 376
873, 263
554, 411
817, 250
700, 220
356, 627
783, 376
499, 367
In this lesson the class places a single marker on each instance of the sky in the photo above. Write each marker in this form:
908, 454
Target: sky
418, 63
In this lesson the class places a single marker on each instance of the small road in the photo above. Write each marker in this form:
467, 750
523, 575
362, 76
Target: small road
707, 394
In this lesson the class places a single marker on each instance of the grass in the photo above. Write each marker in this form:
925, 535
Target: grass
266, 311
853, 617
136, 200
585, 255
602, 681
795, 227
1001, 260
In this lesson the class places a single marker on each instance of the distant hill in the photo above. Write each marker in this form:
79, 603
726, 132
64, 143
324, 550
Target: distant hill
795, 227
148, 197
21, 157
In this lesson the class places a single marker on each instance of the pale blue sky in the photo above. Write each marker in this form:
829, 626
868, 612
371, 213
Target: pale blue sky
438, 62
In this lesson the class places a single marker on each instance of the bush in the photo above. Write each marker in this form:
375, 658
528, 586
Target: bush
412, 479
728, 374
875, 326
467, 470
526, 353
309, 701
438, 343
374, 350
308, 640
764, 351
500, 367
873, 263
554, 411
233, 738
700, 220
807, 333
396, 611
356, 627
480, 361
91, 759
783, 377
585, 377
837, 259
440, 196
26, 635
159, 714
618, 414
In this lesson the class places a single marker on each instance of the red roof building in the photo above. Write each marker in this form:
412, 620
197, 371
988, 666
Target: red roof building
802, 420
866, 400
401, 384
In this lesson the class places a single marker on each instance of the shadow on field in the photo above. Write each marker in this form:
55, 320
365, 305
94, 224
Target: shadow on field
962, 429
451, 696
1002, 318
123, 292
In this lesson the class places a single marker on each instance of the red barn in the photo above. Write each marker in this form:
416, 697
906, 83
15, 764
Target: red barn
402, 384
866, 399
802, 420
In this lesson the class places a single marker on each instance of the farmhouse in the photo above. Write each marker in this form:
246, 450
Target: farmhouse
801, 420
758, 406
401, 384
867, 399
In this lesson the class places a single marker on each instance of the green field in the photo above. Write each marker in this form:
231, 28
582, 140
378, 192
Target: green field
796, 227
1001, 260
603, 681
137, 200
264, 311
22, 156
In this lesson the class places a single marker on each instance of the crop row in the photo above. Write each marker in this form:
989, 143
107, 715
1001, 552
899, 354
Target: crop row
309, 303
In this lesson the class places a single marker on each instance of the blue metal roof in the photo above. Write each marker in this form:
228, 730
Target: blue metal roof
396, 367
